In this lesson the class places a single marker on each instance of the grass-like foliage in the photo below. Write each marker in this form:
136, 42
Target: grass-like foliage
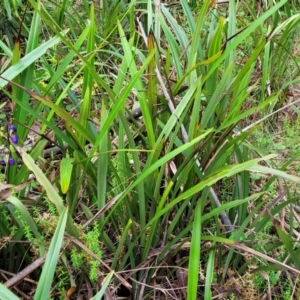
132, 154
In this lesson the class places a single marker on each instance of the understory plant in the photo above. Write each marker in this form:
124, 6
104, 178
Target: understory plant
134, 120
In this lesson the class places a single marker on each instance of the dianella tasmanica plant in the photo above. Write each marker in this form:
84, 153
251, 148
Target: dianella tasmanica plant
144, 159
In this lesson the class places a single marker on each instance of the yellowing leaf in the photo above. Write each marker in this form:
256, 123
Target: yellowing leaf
66, 167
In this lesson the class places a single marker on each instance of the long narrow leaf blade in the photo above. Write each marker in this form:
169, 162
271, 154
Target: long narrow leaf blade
44, 285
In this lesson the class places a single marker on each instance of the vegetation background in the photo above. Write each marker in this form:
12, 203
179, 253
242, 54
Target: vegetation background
149, 149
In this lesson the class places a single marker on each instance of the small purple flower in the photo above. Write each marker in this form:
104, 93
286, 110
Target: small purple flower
14, 139
2, 161
11, 161
12, 128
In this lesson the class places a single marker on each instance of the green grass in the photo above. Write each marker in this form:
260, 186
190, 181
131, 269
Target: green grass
199, 184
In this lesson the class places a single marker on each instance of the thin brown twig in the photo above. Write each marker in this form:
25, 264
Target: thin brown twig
25, 272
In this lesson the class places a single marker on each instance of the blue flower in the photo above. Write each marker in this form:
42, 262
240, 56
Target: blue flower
14, 139
12, 128
11, 161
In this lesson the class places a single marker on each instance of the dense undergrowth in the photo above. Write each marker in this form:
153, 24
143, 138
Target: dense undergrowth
149, 150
